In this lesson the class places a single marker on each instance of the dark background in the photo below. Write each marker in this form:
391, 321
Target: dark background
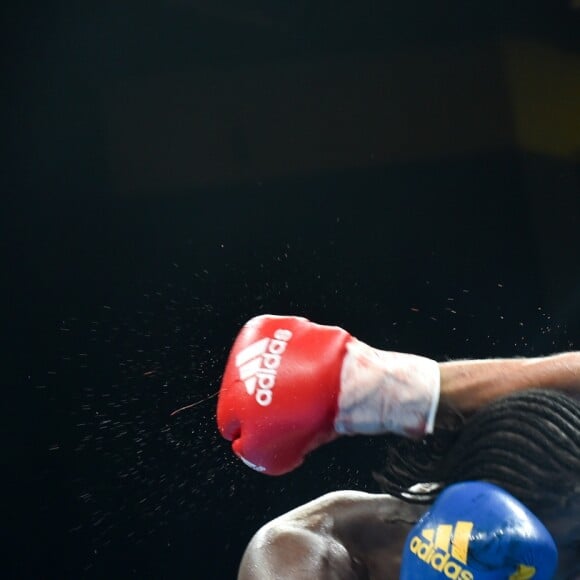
409, 171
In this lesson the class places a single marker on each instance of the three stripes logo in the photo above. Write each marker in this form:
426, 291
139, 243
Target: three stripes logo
259, 362
445, 549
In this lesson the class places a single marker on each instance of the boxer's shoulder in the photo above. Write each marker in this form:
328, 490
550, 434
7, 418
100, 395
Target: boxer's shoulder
318, 514
331, 537
296, 545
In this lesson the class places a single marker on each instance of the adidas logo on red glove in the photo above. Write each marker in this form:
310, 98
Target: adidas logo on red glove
258, 364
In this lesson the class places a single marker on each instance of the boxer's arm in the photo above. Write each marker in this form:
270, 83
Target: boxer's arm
291, 385
292, 552
300, 544
470, 384
341, 535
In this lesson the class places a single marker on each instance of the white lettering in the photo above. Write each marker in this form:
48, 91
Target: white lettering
271, 361
258, 365
283, 334
263, 397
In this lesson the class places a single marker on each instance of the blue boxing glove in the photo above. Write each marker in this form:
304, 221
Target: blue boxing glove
478, 531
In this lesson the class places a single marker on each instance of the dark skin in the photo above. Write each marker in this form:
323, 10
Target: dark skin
343, 535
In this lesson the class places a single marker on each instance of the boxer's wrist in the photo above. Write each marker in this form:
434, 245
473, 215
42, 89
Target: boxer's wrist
383, 391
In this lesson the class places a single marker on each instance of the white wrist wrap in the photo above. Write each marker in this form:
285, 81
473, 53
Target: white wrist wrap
384, 392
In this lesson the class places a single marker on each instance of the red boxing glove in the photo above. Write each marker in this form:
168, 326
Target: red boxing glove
291, 385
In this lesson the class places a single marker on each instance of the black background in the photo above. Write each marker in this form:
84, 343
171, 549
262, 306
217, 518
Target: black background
121, 307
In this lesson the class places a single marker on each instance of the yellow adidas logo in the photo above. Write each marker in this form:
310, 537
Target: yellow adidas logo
445, 550
433, 549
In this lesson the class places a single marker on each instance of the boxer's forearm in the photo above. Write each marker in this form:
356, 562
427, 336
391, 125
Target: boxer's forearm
469, 384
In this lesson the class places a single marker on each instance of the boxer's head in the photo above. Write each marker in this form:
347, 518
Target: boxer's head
527, 443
